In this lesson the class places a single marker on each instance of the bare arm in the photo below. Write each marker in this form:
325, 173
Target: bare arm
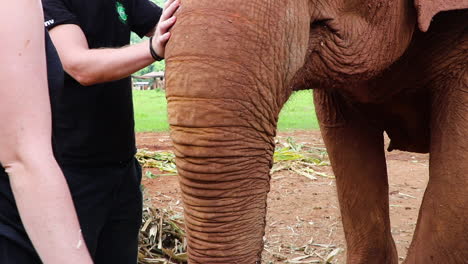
41, 193
92, 66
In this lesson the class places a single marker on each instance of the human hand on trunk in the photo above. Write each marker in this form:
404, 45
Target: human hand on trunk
162, 34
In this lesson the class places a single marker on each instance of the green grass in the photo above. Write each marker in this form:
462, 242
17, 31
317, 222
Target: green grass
151, 112
298, 112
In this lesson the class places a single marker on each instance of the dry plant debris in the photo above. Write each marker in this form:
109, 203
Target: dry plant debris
162, 160
301, 159
162, 235
310, 253
289, 155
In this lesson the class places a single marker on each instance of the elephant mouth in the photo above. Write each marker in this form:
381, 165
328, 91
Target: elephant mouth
325, 25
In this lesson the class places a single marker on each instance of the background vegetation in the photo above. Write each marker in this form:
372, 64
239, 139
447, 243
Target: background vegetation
151, 112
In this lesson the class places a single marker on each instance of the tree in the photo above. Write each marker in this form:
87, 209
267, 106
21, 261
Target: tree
157, 66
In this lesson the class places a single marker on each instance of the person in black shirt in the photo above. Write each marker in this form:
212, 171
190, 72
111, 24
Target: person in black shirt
35, 202
93, 125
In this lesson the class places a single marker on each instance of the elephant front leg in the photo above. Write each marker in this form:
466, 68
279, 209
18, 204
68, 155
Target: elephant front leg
441, 234
356, 151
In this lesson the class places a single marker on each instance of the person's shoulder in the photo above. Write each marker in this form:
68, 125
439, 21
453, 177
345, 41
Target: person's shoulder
58, 12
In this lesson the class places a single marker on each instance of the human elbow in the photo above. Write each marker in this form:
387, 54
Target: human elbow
10, 160
84, 80
18, 162
15, 163
81, 74
13, 166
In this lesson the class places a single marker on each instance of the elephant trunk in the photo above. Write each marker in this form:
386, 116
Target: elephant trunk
223, 173
224, 146
224, 153
225, 86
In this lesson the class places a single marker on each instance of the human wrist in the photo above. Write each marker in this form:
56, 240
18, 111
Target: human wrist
153, 53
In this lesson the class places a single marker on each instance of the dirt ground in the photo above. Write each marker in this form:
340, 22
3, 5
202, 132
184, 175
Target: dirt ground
303, 220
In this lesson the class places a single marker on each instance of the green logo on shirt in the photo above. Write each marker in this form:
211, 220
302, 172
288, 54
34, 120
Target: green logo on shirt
121, 11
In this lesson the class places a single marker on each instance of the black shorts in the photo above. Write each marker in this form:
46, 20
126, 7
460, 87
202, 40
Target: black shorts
13, 253
108, 202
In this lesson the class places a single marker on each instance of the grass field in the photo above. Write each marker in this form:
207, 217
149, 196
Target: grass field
151, 113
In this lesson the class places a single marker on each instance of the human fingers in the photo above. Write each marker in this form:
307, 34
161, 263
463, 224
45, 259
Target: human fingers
164, 38
159, 44
164, 26
167, 3
170, 10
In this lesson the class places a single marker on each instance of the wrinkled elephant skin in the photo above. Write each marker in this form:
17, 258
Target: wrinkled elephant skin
398, 67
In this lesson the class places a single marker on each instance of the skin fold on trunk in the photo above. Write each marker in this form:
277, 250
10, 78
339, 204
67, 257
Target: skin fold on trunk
223, 115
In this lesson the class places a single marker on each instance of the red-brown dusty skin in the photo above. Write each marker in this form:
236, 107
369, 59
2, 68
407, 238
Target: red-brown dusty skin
230, 68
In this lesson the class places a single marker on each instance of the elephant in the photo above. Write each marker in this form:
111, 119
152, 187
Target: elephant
386, 66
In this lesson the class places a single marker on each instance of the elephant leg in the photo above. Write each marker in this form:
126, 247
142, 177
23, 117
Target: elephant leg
356, 151
441, 234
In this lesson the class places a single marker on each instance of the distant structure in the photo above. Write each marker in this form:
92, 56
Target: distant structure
154, 81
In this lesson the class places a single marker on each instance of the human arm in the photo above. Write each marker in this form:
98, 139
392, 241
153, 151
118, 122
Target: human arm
39, 187
92, 66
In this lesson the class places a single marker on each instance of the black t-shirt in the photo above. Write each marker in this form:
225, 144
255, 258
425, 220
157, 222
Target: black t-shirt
94, 125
